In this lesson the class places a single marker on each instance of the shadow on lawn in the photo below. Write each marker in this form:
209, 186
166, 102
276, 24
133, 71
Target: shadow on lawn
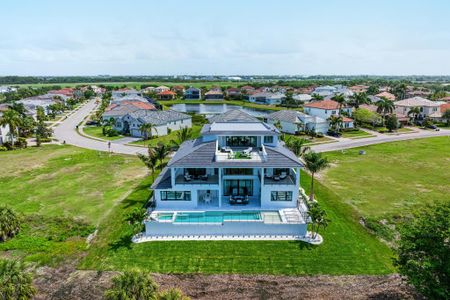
123, 242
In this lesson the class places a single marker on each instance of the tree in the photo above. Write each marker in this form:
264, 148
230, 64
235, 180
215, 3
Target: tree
318, 218
423, 252
414, 112
314, 164
298, 146
132, 285
107, 125
172, 294
15, 281
147, 130
392, 123
151, 160
316, 97
372, 90
399, 90
446, 116
40, 114
160, 151
365, 116
384, 107
42, 132
339, 98
183, 135
9, 223
13, 120
336, 122
358, 99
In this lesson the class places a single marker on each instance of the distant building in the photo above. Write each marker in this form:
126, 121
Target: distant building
266, 98
65, 92
302, 97
329, 90
7, 89
166, 95
427, 108
32, 103
326, 108
193, 93
120, 93
386, 95
214, 94
161, 88
233, 93
293, 121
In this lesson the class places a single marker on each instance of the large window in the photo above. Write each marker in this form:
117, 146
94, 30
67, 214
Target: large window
268, 139
241, 187
281, 196
238, 171
241, 141
195, 171
175, 196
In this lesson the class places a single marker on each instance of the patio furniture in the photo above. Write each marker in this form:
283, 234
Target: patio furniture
276, 178
207, 198
226, 149
247, 151
230, 154
283, 175
187, 177
204, 177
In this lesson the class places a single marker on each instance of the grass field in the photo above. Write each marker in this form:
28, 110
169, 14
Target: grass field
348, 247
54, 187
392, 178
167, 139
356, 134
96, 131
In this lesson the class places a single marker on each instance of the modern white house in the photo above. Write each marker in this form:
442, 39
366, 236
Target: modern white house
293, 121
163, 121
266, 98
302, 97
329, 90
238, 178
326, 108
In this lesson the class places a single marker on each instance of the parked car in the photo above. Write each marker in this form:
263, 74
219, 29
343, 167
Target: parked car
92, 123
334, 133
434, 127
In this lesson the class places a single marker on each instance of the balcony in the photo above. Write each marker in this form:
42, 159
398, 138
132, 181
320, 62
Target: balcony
289, 180
244, 154
207, 179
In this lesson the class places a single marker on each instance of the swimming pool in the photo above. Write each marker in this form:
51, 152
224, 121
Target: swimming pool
217, 216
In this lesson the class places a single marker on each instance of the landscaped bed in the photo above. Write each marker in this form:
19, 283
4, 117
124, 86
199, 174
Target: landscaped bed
355, 134
97, 132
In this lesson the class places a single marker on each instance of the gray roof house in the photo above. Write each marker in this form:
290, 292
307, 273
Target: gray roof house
238, 178
293, 121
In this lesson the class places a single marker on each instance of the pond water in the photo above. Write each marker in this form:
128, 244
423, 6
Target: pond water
212, 109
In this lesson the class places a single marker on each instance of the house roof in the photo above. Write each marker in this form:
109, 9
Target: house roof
386, 95
323, 104
233, 115
192, 89
167, 92
213, 92
416, 102
291, 116
347, 120
158, 117
202, 154
371, 107
445, 107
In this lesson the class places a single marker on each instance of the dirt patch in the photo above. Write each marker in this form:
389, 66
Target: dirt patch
67, 283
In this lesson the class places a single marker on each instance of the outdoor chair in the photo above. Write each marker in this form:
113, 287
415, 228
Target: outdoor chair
283, 175
247, 151
187, 177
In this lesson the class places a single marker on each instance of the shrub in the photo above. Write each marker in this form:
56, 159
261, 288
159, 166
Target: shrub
9, 223
132, 285
2, 148
319, 134
112, 132
21, 143
15, 281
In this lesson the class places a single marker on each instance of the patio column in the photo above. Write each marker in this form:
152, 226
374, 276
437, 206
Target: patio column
297, 178
172, 176
262, 177
220, 186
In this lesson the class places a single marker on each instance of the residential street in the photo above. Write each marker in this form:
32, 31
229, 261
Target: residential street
66, 131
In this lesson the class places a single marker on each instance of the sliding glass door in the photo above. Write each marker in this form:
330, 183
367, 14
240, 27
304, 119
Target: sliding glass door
238, 187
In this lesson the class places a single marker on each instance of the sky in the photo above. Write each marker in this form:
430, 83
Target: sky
201, 37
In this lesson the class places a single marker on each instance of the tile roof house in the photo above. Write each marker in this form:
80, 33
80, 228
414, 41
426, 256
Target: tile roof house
233, 93
386, 95
66, 92
293, 121
214, 94
326, 108
166, 95
161, 88
178, 89
266, 98
427, 107
120, 109
237, 179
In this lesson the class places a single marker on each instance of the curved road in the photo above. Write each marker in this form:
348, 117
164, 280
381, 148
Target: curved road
66, 131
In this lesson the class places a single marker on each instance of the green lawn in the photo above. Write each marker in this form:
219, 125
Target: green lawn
392, 178
356, 134
54, 187
348, 247
96, 131
167, 139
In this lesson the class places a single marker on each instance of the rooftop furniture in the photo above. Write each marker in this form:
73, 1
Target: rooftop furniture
283, 175
247, 151
187, 177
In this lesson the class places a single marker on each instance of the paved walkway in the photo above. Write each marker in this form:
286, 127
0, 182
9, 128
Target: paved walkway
66, 131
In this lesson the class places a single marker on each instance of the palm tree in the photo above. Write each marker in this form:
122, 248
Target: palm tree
414, 112
339, 98
336, 122
314, 164
384, 107
15, 282
318, 218
183, 135
147, 130
359, 99
160, 151
132, 285
9, 223
107, 125
151, 160
298, 146
13, 120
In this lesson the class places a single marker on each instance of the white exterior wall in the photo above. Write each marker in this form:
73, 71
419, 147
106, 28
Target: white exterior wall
325, 113
4, 134
424, 110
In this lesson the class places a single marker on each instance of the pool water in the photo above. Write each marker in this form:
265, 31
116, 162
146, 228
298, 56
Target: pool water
217, 216
165, 216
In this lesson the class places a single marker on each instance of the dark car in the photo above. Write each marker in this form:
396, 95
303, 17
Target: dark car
434, 127
91, 123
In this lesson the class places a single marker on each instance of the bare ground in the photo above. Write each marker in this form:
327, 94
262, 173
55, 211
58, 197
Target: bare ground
67, 283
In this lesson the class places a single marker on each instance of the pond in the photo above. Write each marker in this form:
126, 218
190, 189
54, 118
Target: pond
212, 109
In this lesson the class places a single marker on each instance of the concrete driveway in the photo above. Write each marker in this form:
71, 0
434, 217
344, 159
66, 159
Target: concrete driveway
66, 131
